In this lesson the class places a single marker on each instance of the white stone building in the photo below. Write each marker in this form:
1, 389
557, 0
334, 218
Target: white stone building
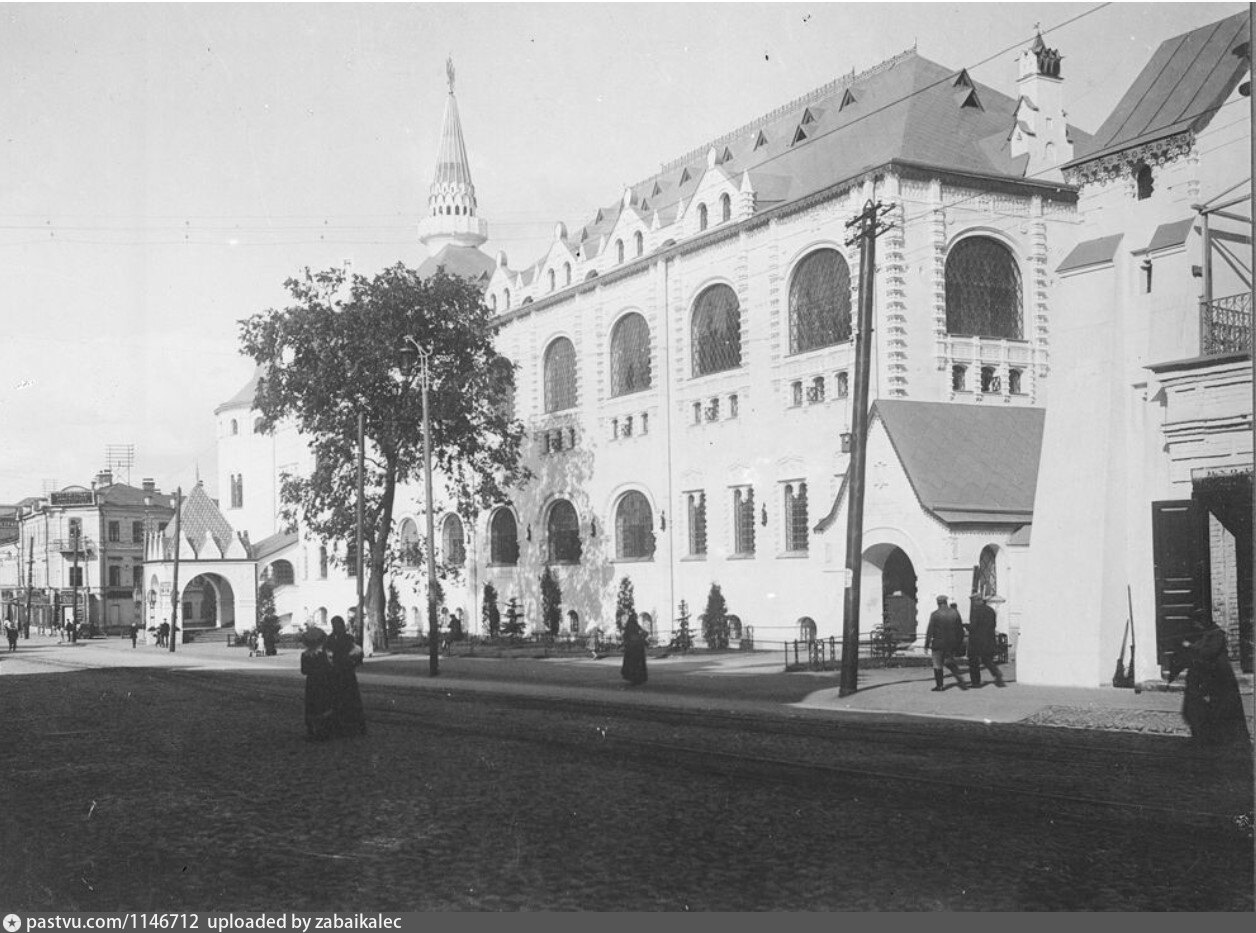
1145, 489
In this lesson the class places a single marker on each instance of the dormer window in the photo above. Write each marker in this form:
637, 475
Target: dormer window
702, 216
726, 208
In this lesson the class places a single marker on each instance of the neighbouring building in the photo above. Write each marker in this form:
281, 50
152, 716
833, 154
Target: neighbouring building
1144, 493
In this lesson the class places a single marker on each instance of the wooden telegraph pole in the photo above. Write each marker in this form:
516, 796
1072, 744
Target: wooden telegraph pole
870, 227
360, 623
174, 585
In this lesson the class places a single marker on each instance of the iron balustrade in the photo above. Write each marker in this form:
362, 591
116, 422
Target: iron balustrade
1225, 325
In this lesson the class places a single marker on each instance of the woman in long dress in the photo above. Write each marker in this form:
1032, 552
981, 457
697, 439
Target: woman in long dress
1211, 705
348, 717
633, 669
319, 686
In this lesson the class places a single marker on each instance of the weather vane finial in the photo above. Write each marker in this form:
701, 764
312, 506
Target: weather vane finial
449, 70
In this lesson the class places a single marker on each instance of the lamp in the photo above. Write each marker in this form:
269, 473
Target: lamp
846, 442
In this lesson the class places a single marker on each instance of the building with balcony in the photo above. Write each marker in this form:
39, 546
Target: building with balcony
1144, 492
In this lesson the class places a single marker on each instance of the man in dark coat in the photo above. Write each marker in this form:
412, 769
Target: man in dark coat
943, 638
981, 641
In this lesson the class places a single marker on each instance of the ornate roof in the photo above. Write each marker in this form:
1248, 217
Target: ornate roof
199, 523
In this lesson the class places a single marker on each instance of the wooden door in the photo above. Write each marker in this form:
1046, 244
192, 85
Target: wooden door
1179, 531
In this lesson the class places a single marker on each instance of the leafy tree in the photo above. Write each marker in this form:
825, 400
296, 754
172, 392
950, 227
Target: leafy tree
551, 602
395, 617
683, 639
625, 604
334, 351
514, 619
715, 619
489, 612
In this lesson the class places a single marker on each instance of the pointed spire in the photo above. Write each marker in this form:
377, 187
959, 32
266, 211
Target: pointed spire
452, 217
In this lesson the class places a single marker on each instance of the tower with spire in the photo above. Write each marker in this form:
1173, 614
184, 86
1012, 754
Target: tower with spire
453, 231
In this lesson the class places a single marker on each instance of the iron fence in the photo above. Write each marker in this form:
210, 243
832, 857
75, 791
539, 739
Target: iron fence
1225, 325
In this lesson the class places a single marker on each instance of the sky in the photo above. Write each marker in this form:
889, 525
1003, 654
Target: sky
164, 168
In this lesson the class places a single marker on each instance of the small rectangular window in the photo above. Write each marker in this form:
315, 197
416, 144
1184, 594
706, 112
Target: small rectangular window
959, 378
645, 423
843, 384
1014, 381
796, 390
76, 576
713, 410
1146, 269
732, 406
614, 428
697, 412
137, 532
115, 532
115, 576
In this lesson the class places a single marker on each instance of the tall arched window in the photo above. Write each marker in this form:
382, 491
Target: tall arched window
566, 273
987, 574
502, 380
634, 527
506, 295
819, 302
282, 574
562, 532
553, 280
983, 290
702, 216
322, 562
503, 534
408, 549
630, 355
639, 242
1144, 181
619, 250
716, 331
452, 542
560, 375
726, 208
235, 426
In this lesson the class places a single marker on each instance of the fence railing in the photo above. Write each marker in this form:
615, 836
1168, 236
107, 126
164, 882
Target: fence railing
1225, 325
824, 654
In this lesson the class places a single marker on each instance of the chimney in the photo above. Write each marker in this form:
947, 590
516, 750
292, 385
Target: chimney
1041, 125
104, 478
148, 484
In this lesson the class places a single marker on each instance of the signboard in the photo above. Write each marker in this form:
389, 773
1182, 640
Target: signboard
71, 497
1203, 473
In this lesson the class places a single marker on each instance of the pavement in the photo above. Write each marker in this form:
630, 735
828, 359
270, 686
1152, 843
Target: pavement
750, 680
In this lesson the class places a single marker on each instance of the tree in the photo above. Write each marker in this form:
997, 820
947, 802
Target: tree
268, 624
625, 605
683, 639
396, 617
551, 602
514, 619
490, 613
715, 619
334, 351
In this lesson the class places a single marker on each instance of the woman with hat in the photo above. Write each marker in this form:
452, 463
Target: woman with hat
348, 717
319, 687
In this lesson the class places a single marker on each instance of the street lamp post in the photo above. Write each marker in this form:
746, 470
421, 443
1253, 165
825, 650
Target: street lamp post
174, 586
409, 348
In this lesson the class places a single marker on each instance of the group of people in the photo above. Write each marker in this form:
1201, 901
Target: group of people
946, 640
333, 702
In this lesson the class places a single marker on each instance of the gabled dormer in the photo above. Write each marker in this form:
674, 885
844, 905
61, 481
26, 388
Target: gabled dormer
713, 199
627, 235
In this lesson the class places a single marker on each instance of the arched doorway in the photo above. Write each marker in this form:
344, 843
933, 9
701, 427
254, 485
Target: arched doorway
207, 602
890, 574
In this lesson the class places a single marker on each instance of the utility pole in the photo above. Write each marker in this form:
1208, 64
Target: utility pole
870, 227
360, 623
30, 569
174, 586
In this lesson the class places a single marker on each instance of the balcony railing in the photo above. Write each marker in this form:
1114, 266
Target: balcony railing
1225, 325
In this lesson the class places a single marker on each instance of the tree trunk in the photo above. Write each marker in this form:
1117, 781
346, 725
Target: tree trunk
374, 596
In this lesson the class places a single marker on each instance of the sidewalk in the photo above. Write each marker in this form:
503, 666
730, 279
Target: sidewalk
738, 679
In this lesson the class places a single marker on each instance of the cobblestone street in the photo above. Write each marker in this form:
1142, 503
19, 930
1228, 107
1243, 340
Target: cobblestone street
182, 789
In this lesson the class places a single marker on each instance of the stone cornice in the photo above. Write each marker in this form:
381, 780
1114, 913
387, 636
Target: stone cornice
1117, 164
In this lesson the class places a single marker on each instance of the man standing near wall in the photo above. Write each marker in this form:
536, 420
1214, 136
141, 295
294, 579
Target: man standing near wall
982, 624
943, 637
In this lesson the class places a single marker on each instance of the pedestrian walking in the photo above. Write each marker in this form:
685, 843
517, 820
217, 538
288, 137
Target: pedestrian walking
320, 688
1211, 704
10, 632
253, 642
633, 669
348, 717
943, 638
982, 627
135, 634
163, 634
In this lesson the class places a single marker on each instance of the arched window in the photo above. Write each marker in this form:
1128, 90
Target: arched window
506, 297
987, 575
408, 548
282, 574
634, 527
492, 302
560, 375
322, 562
819, 302
630, 355
639, 242
452, 542
562, 532
716, 331
702, 216
1144, 181
553, 280
566, 273
502, 380
503, 535
235, 426
983, 290
796, 524
726, 208
619, 250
